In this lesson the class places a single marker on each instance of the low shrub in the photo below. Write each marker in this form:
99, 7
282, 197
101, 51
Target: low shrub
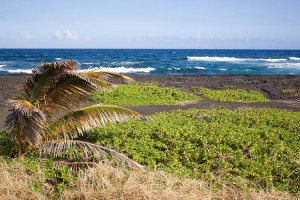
233, 95
251, 147
143, 94
290, 91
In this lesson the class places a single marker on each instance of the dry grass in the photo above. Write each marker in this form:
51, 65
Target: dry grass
106, 182
15, 182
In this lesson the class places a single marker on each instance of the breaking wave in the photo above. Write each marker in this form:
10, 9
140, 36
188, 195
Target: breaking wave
125, 63
200, 68
275, 67
16, 71
285, 65
88, 63
293, 58
124, 69
233, 59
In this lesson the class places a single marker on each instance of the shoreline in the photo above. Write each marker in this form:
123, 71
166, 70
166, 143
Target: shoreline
269, 85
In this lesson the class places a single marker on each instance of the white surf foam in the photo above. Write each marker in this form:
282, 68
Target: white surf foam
123, 69
273, 59
294, 65
200, 68
57, 58
275, 67
2, 66
293, 58
223, 69
15, 71
214, 59
285, 65
88, 63
125, 63
232, 59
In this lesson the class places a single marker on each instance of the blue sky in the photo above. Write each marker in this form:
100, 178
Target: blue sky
199, 24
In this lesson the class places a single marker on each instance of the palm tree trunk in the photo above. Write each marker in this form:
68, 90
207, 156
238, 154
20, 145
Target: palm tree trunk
29, 148
19, 139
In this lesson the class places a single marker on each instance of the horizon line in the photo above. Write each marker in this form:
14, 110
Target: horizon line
155, 48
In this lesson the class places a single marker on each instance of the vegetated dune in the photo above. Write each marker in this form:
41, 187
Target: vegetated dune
108, 182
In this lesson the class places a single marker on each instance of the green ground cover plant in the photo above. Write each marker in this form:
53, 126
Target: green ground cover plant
251, 147
233, 95
290, 91
136, 94
246, 148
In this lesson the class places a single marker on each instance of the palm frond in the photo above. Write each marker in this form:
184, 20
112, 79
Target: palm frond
29, 119
66, 65
105, 75
99, 84
85, 119
68, 93
56, 147
43, 78
73, 167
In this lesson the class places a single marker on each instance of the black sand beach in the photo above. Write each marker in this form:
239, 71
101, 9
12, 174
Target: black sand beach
270, 86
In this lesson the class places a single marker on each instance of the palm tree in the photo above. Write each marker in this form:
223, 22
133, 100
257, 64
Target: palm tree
50, 114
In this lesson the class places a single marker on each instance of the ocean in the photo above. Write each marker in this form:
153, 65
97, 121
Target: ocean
158, 61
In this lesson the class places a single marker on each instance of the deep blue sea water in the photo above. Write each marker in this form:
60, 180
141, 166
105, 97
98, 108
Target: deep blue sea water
158, 61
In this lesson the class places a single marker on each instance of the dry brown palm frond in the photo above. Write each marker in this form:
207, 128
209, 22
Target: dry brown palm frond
105, 75
24, 107
56, 147
28, 119
66, 65
74, 167
86, 119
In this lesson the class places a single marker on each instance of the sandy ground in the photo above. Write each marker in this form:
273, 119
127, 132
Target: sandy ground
269, 86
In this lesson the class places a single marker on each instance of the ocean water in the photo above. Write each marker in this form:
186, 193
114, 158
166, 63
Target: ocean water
158, 61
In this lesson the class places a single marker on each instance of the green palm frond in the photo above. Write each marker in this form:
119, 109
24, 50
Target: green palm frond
44, 76
26, 118
67, 94
85, 119
56, 147
100, 84
105, 75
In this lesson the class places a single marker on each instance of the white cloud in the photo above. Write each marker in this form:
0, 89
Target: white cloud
25, 36
198, 36
58, 35
70, 35
66, 34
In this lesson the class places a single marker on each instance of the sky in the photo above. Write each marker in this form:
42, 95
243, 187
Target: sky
154, 24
